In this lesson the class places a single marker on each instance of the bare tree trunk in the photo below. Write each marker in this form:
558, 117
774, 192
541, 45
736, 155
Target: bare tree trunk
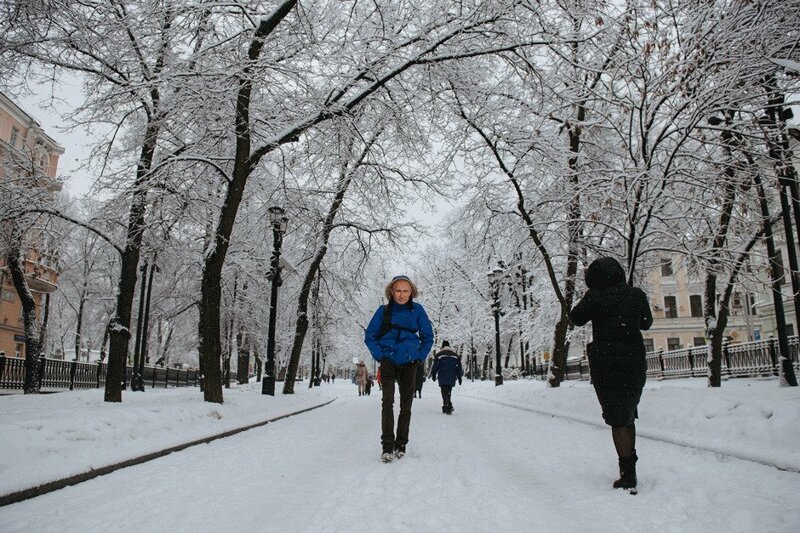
14, 260
777, 278
45, 320
119, 329
715, 325
211, 293
79, 325
558, 360
243, 357
103, 352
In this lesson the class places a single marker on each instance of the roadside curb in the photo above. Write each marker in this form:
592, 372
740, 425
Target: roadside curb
32, 492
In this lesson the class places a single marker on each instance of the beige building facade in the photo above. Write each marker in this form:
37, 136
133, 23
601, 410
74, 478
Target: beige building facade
677, 300
23, 144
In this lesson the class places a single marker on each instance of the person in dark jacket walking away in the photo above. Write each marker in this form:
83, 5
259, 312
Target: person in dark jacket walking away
617, 362
399, 337
419, 381
447, 369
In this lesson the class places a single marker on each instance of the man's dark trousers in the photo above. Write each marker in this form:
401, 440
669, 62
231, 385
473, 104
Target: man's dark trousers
404, 376
447, 404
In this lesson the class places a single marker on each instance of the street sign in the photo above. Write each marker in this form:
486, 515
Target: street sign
19, 338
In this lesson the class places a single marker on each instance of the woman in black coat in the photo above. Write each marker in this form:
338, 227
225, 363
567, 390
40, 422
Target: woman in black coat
617, 362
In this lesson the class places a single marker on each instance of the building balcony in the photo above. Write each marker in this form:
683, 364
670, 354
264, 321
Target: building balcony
41, 278
40, 284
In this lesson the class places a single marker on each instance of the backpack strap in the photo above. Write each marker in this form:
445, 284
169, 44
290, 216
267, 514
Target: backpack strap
387, 324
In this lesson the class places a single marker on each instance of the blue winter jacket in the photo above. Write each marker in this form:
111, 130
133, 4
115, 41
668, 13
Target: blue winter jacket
410, 342
447, 367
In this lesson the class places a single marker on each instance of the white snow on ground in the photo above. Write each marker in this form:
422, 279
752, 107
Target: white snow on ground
520, 457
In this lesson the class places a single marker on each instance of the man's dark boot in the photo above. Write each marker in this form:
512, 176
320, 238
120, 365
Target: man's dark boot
627, 472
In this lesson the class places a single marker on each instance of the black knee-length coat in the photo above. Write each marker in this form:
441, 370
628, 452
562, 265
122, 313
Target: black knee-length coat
617, 354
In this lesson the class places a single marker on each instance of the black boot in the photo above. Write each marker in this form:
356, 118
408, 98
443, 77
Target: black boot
627, 472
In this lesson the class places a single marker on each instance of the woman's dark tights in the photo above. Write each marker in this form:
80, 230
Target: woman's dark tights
624, 439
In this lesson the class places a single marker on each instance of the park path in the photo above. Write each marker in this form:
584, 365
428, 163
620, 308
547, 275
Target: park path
488, 467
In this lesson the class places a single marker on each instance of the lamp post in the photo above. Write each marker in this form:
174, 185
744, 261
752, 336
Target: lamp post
143, 354
522, 306
494, 282
278, 223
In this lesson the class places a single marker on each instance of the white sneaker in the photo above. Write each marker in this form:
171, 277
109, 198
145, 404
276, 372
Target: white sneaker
399, 453
387, 457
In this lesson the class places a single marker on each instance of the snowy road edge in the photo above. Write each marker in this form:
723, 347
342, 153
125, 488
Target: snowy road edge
685, 442
44, 488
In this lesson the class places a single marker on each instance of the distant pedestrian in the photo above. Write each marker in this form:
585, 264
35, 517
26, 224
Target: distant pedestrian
617, 363
447, 369
333, 378
368, 386
378, 379
362, 376
419, 381
399, 337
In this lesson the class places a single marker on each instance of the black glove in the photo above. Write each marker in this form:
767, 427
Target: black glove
459, 381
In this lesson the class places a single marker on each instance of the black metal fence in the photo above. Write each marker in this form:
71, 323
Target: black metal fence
754, 359
57, 374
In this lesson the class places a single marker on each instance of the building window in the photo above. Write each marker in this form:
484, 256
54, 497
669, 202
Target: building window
670, 307
649, 346
19, 350
699, 341
666, 267
696, 303
14, 136
790, 330
737, 300
673, 343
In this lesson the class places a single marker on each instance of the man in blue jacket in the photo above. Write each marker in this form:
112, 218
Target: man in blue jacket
447, 368
399, 337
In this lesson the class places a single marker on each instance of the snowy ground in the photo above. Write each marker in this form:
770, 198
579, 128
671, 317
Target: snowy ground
519, 457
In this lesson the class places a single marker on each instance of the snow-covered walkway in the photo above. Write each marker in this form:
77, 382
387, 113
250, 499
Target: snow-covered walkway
488, 467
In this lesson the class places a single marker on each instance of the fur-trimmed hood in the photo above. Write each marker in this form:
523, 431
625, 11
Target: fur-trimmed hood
388, 290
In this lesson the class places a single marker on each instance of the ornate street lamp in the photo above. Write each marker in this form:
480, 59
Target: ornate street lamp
494, 282
278, 222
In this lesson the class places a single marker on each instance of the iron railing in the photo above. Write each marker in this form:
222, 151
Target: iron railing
58, 374
759, 358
